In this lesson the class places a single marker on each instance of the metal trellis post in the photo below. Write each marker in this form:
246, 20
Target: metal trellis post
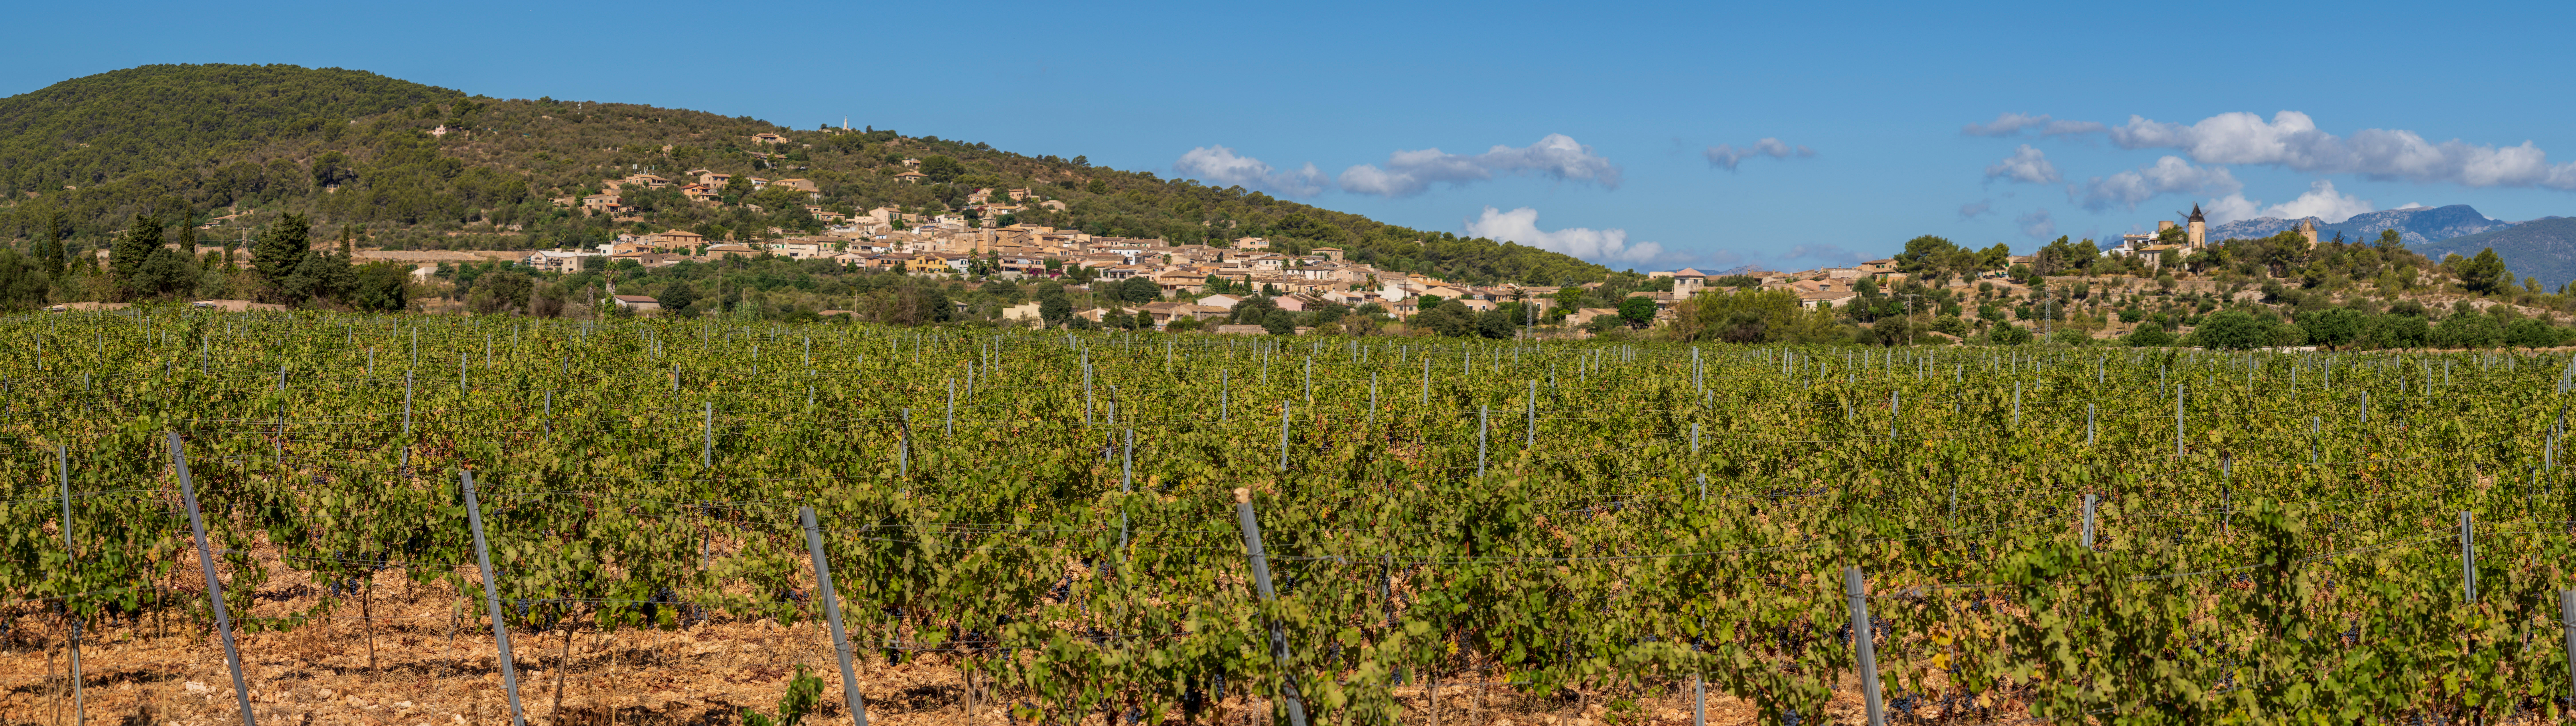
2089, 500
214, 585
831, 598
1483, 414
1260, 563
2567, 624
1530, 436
63, 457
492, 598
1863, 645
2468, 559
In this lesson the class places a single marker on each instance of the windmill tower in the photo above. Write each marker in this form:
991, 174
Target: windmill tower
2196, 230
2308, 228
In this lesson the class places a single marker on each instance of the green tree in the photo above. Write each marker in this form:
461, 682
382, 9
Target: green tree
1499, 322
2391, 242
23, 283
1569, 298
2233, 330
778, 199
942, 169
163, 272
1637, 312
2482, 274
2469, 330
1054, 307
1253, 310
1992, 258
2533, 333
2008, 335
51, 254
280, 248
1139, 289
676, 295
1449, 319
319, 275
1280, 322
125, 258
2064, 256
1926, 254
2397, 331
1745, 316
381, 287
2333, 327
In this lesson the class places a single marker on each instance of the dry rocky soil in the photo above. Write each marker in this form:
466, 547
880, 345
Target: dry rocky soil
418, 658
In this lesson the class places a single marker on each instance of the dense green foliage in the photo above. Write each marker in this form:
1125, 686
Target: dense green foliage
354, 151
180, 122
2274, 536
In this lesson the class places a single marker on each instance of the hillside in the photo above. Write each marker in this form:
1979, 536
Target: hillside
83, 157
2544, 248
163, 118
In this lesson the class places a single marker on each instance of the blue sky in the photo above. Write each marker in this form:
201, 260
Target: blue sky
1644, 135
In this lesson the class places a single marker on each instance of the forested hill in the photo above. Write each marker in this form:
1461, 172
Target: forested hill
81, 158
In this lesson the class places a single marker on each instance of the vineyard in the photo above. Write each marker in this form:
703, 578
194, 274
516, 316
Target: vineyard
1060, 528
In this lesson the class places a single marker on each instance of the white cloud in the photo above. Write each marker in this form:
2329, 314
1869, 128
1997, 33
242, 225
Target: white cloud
1521, 225
2168, 175
2409, 205
1975, 209
2012, 124
2230, 208
2026, 164
2291, 140
2321, 201
1408, 173
1727, 156
2037, 224
1220, 166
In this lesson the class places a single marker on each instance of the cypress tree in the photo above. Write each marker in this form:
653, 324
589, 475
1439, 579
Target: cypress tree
187, 240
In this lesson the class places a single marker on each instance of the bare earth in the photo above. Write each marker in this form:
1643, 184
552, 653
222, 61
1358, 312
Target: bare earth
424, 659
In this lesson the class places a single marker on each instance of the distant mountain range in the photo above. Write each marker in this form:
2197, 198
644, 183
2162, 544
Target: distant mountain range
2418, 226
2544, 248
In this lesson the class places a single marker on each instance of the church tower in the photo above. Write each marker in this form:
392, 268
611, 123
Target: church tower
2197, 234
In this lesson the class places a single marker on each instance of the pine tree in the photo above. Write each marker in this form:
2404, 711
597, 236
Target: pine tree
137, 245
281, 247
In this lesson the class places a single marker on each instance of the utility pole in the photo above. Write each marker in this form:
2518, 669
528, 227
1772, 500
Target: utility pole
1909, 316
